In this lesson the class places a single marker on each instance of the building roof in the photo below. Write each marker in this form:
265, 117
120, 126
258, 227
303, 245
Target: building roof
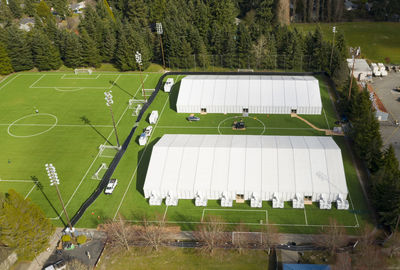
231, 91
360, 65
376, 102
287, 266
245, 164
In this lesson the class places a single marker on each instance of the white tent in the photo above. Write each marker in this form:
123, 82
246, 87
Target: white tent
255, 94
255, 168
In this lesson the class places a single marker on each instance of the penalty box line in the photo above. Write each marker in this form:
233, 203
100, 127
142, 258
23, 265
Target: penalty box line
236, 210
77, 78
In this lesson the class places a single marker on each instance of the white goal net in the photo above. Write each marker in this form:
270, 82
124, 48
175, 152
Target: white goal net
108, 151
136, 105
83, 70
98, 174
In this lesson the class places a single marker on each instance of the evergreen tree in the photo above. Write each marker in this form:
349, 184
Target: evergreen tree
109, 42
365, 133
243, 46
386, 189
229, 52
45, 55
5, 62
158, 10
89, 53
15, 7
137, 11
43, 10
341, 46
72, 51
5, 12
125, 54
29, 8
18, 49
23, 226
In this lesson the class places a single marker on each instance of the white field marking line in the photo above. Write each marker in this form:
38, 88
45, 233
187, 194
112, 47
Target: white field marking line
76, 78
102, 73
165, 213
98, 153
236, 210
202, 216
35, 134
30, 191
262, 123
23, 181
352, 206
5, 78
32, 85
144, 151
267, 128
305, 215
326, 119
49, 125
115, 81
1, 87
236, 223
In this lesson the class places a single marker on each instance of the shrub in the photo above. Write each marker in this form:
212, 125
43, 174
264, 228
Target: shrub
66, 238
81, 239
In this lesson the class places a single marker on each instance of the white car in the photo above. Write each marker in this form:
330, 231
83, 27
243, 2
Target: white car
143, 139
148, 131
111, 186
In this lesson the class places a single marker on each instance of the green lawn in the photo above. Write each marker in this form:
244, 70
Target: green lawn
72, 146
377, 40
184, 258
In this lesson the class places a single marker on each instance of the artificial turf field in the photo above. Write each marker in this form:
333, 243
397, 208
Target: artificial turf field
73, 121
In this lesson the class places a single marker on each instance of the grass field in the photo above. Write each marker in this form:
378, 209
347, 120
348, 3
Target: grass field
377, 40
184, 258
59, 135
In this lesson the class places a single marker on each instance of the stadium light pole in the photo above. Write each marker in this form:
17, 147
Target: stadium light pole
333, 44
355, 52
54, 181
160, 31
109, 102
138, 57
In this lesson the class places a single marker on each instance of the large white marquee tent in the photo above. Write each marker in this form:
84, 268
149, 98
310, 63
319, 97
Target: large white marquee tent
250, 167
252, 94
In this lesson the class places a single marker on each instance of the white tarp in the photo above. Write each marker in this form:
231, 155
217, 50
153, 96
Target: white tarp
252, 166
258, 94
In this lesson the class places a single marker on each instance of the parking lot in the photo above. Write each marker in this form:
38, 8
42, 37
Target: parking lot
385, 89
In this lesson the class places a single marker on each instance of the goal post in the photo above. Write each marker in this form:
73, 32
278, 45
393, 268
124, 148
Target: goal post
96, 175
136, 105
83, 70
108, 150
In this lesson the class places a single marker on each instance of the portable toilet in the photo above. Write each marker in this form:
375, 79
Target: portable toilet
153, 117
168, 85
143, 139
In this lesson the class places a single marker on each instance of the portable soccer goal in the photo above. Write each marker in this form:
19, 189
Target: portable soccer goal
98, 175
108, 151
83, 70
136, 105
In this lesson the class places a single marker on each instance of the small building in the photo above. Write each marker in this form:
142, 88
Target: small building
380, 111
27, 24
300, 169
362, 71
249, 94
78, 7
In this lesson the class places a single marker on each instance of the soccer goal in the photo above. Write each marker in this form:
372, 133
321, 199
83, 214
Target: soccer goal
83, 70
108, 151
136, 105
96, 175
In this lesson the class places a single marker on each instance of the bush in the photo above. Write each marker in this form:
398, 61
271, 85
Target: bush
66, 238
81, 239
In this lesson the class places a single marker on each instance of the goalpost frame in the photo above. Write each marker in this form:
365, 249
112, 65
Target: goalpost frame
83, 70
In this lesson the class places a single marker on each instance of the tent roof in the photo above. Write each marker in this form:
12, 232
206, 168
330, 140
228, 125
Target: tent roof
246, 163
245, 90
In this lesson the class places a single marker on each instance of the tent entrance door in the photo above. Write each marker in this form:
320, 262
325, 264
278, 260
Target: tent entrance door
308, 200
294, 111
245, 112
239, 198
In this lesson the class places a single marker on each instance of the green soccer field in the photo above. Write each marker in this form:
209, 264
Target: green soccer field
73, 122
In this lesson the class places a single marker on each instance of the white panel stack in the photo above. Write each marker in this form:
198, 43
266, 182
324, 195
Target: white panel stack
249, 167
257, 94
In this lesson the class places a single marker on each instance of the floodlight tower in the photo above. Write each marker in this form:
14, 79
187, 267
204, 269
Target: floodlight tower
333, 44
54, 181
354, 52
109, 102
138, 57
159, 33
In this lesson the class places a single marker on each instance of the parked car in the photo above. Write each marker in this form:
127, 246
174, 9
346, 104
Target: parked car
59, 265
111, 186
148, 130
193, 118
143, 139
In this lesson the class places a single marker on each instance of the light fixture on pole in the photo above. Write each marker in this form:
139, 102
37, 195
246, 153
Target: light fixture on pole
54, 181
354, 52
333, 44
138, 57
109, 102
160, 31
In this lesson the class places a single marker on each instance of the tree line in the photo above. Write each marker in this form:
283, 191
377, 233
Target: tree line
196, 33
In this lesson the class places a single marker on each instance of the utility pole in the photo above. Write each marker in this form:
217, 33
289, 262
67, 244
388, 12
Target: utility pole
109, 102
54, 181
355, 52
160, 31
138, 57
333, 44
